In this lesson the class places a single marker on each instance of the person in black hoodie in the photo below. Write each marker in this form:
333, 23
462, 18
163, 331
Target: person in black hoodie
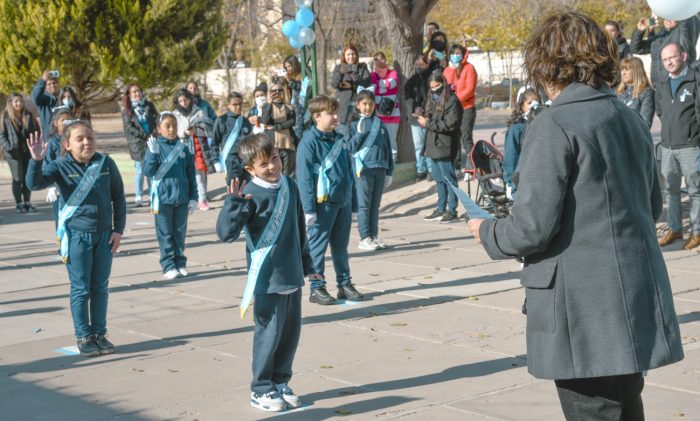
443, 113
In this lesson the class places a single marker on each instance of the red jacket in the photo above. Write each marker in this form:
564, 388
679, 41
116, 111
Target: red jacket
199, 162
463, 82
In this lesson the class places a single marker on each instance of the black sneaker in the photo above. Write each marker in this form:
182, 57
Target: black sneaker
29, 207
20, 208
88, 347
449, 218
106, 347
321, 296
348, 292
421, 176
433, 216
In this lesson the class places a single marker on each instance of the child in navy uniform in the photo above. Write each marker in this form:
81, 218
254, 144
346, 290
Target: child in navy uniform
53, 152
373, 164
225, 150
90, 228
278, 257
173, 193
325, 179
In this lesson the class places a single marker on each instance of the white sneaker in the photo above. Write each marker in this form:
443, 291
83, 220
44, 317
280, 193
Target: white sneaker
269, 401
288, 395
379, 243
183, 271
171, 274
367, 244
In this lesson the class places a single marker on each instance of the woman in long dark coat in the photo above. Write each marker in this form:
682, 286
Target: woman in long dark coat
599, 303
347, 76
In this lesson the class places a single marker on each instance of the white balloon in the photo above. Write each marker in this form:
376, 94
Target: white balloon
304, 3
307, 36
675, 9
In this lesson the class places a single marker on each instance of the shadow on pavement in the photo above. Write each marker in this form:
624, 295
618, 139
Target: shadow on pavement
350, 410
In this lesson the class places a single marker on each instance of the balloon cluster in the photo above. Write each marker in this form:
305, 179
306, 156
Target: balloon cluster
298, 30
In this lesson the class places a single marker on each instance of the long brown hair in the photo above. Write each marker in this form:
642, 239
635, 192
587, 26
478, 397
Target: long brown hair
346, 48
9, 112
431, 105
640, 82
126, 99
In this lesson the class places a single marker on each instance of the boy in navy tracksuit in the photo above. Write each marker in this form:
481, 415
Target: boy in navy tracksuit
325, 179
91, 227
223, 126
173, 193
278, 258
373, 165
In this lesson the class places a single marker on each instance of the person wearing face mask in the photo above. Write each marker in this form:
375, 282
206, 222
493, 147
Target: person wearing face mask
461, 77
443, 113
684, 32
279, 117
260, 98
385, 81
438, 48
139, 117
347, 76
45, 96
415, 94
521, 116
70, 99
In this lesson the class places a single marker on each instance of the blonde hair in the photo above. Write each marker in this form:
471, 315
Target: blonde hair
640, 82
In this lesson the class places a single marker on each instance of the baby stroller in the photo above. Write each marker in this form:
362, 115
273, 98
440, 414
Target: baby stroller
486, 166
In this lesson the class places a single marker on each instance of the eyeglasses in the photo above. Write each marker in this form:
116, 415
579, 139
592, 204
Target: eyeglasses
277, 91
236, 104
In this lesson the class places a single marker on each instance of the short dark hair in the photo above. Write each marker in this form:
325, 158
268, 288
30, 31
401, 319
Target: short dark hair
570, 47
323, 103
257, 146
680, 48
437, 27
365, 93
234, 94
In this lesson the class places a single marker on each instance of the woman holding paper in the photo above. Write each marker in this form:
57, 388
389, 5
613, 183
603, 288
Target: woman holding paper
599, 304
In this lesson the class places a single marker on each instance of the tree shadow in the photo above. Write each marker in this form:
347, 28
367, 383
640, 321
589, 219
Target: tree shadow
30, 311
689, 317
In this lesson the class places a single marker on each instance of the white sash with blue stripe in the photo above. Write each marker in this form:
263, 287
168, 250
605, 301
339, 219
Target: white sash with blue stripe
231, 140
267, 239
74, 201
369, 142
162, 170
323, 185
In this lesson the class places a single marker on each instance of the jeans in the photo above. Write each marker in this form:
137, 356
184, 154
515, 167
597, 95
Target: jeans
422, 163
444, 174
611, 398
369, 188
138, 180
393, 130
171, 227
18, 168
201, 178
89, 266
466, 131
677, 164
275, 339
332, 226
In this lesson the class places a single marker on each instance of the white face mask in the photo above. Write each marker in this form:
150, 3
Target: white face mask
67, 102
260, 101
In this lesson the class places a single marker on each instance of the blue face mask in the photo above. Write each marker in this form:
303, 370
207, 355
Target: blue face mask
438, 55
68, 102
456, 58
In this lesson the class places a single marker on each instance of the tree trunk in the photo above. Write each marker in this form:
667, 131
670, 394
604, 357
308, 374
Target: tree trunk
404, 21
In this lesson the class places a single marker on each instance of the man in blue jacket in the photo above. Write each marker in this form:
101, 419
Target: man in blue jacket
45, 96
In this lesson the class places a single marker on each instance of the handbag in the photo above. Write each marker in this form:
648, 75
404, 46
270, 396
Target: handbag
386, 106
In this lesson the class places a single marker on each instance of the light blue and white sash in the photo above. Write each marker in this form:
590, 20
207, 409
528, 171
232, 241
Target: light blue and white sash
369, 142
162, 170
302, 93
323, 185
231, 140
267, 239
91, 175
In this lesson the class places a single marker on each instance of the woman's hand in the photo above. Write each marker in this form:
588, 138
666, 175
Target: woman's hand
474, 225
236, 189
345, 85
37, 146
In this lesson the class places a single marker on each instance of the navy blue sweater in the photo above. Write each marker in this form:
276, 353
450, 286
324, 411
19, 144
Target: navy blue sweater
179, 185
44, 103
104, 209
311, 151
379, 155
53, 149
289, 259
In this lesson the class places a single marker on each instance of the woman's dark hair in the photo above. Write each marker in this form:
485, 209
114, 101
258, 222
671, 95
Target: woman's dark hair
456, 47
617, 27
71, 92
570, 47
295, 65
439, 34
517, 114
437, 106
126, 99
176, 104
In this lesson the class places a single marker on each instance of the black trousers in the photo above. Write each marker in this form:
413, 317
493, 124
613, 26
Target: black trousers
18, 168
610, 398
289, 161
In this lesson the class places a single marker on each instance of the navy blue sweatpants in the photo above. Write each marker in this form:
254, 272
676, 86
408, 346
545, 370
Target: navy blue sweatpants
332, 227
171, 227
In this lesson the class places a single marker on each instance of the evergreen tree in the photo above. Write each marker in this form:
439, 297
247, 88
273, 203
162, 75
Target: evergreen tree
100, 45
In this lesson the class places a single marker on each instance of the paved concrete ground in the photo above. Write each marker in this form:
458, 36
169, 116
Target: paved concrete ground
440, 337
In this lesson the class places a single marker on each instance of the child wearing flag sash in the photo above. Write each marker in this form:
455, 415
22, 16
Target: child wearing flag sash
230, 129
372, 158
325, 179
173, 193
53, 152
90, 225
269, 209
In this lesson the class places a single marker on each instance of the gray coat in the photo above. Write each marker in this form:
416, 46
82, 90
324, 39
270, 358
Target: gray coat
599, 302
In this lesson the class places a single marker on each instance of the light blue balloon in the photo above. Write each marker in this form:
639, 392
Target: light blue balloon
290, 28
295, 41
305, 17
